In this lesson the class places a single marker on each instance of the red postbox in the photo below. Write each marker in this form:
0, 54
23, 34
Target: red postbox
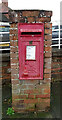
30, 42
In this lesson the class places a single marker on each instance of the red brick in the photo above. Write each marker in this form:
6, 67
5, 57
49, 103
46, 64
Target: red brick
47, 80
29, 106
48, 37
15, 37
14, 102
55, 69
39, 87
14, 66
28, 91
18, 110
15, 97
43, 19
14, 31
14, 60
14, 49
30, 13
23, 96
11, 31
47, 101
11, 37
30, 101
18, 102
31, 96
46, 13
31, 82
22, 20
15, 88
33, 91
48, 42
47, 71
43, 104
14, 43
23, 86
14, 71
15, 82
13, 55
48, 25
13, 25
43, 96
48, 60
48, 54
47, 48
30, 86
19, 96
14, 76
31, 19
46, 91
47, 75
48, 31
14, 19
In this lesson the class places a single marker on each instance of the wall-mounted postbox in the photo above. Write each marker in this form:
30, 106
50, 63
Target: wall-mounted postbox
30, 42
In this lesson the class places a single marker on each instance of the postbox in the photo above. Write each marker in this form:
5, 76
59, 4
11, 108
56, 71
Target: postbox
30, 44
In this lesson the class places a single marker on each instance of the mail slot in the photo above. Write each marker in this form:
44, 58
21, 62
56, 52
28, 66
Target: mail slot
30, 44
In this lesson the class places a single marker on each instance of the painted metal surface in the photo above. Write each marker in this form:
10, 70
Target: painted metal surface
30, 50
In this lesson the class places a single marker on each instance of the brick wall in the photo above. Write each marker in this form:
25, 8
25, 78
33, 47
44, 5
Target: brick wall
30, 95
56, 65
5, 68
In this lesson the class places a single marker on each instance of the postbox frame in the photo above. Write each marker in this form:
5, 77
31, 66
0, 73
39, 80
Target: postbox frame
41, 48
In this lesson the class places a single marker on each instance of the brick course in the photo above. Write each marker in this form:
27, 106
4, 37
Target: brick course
43, 19
29, 95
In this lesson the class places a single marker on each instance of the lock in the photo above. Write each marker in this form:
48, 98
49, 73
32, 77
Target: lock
25, 73
30, 42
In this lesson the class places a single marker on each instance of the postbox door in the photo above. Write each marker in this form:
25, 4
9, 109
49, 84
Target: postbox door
30, 60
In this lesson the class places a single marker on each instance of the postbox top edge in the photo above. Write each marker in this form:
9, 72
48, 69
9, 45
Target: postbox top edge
31, 27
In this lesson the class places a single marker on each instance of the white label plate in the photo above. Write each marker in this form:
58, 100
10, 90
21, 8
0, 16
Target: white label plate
30, 52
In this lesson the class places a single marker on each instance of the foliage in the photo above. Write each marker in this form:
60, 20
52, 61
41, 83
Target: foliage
10, 111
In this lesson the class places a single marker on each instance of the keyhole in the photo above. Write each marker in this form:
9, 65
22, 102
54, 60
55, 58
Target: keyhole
25, 62
30, 42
